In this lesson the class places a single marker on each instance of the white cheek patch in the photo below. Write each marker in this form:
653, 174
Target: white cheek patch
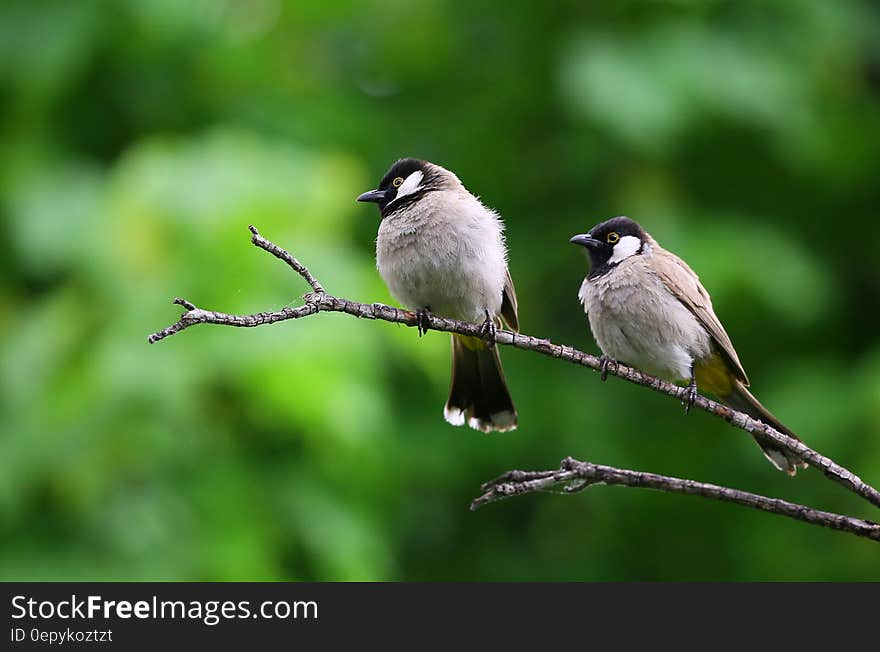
628, 245
409, 186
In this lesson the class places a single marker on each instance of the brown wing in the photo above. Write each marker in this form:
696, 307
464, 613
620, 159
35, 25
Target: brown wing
509, 308
685, 285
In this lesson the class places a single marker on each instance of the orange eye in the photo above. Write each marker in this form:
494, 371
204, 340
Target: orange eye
398, 181
612, 238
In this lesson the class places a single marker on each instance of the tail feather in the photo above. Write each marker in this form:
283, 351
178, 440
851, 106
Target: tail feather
741, 399
478, 394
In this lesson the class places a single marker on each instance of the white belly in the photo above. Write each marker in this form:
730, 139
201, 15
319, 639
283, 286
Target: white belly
452, 262
636, 320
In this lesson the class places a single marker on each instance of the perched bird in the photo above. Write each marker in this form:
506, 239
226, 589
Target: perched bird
648, 309
441, 251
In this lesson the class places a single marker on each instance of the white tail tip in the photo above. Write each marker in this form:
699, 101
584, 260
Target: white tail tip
453, 415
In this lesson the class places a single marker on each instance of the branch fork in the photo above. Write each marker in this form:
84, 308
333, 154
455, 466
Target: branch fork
572, 475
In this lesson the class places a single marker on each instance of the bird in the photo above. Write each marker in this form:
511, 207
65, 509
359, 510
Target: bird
648, 309
441, 251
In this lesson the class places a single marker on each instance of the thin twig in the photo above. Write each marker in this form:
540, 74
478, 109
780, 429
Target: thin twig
575, 476
320, 301
280, 253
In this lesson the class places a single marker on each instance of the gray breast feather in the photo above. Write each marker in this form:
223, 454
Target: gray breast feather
635, 319
445, 252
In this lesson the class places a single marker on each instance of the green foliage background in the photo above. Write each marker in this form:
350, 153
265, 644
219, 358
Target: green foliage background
139, 139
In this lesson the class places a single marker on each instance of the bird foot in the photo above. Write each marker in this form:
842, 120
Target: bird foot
603, 369
423, 320
488, 330
690, 396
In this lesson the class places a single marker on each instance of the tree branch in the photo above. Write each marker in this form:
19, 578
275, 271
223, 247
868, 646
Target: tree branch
279, 253
319, 301
576, 476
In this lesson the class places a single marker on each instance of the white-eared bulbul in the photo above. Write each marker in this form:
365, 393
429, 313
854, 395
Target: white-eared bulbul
648, 309
441, 251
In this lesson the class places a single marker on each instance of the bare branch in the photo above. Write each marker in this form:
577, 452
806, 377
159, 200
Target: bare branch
574, 475
195, 316
280, 253
320, 301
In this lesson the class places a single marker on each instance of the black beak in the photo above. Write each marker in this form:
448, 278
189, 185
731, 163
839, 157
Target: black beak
585, 240
373, 196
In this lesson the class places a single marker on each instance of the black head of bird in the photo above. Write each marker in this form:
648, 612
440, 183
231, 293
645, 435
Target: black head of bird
611, 242
406, 182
